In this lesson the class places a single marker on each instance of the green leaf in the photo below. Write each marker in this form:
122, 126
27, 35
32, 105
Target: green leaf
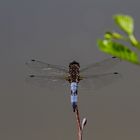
113, 35
134, 41
125, 22
138, 45
108, 35
118, 50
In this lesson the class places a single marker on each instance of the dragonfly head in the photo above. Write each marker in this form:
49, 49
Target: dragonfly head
74, 63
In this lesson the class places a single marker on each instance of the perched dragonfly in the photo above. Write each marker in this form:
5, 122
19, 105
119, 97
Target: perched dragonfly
91, 77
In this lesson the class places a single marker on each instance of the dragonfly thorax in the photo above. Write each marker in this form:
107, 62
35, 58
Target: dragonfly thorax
74, 72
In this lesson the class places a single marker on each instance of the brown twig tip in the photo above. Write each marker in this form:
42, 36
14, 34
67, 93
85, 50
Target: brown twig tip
84, 122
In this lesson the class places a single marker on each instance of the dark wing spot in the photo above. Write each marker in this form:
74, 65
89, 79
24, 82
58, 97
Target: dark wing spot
33, 60
31, 75
116, 73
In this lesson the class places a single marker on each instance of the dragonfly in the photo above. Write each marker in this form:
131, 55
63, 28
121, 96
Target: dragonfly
93, 76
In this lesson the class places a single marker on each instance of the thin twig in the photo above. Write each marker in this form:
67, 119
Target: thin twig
79, 126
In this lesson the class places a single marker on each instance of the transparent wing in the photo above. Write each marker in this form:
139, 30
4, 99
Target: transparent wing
100, 67
51, 82
47, 69
95, 82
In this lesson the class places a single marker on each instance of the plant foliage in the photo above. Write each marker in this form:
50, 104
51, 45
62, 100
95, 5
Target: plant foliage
110, 42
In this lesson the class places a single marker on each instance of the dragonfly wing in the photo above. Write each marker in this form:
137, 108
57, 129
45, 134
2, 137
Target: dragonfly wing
100, 67
47, 69
50, 82
95, 82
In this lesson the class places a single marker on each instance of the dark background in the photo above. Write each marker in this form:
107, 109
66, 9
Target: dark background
58, 31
